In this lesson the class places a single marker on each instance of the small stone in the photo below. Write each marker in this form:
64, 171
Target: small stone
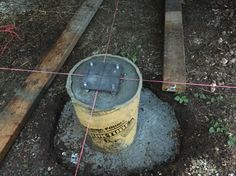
220, 40
197, 41
224, 61
233, 61
50, 169
221, 83
231, 52
217, 149
224, 164
95, 52
231, 174
213, 87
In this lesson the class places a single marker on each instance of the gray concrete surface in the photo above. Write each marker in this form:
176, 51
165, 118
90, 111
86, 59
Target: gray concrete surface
156, 141
105, 101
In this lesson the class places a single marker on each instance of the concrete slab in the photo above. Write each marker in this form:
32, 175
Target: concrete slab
156, 141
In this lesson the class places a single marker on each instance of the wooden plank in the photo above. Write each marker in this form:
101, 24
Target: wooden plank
18, 109
174, 55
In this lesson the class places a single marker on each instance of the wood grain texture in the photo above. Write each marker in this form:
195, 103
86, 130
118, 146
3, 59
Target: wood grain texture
18, 109
174, 54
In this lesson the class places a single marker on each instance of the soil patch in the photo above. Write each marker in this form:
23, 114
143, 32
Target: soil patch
210, 38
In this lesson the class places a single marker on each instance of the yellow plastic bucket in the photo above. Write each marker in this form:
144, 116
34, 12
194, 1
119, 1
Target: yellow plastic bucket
113, 124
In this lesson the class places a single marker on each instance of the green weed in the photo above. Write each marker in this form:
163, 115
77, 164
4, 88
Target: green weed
133, 55
200, 96
181, 99
218, 127
209, 99
231, 140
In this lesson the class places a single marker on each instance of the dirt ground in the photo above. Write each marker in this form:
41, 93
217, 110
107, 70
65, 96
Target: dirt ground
208, 121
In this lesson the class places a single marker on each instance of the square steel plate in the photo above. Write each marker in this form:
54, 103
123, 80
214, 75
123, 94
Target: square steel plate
102, 76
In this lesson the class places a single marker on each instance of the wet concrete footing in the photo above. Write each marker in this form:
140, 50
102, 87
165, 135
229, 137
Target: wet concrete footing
156, 141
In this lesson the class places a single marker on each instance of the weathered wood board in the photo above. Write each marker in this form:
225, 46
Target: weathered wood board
18, 109
174, 54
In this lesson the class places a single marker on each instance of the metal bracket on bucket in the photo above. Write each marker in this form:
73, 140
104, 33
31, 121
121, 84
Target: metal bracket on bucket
102, 76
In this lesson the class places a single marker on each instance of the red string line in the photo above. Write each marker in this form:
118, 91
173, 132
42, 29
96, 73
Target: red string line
96, 94
127, 79
181, 83
39, 71
112, 25
10, 29
86, 134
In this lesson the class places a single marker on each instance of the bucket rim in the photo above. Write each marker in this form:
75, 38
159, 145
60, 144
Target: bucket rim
76, 101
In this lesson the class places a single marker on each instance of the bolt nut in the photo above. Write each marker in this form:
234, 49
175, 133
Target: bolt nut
117, 66
113, 86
